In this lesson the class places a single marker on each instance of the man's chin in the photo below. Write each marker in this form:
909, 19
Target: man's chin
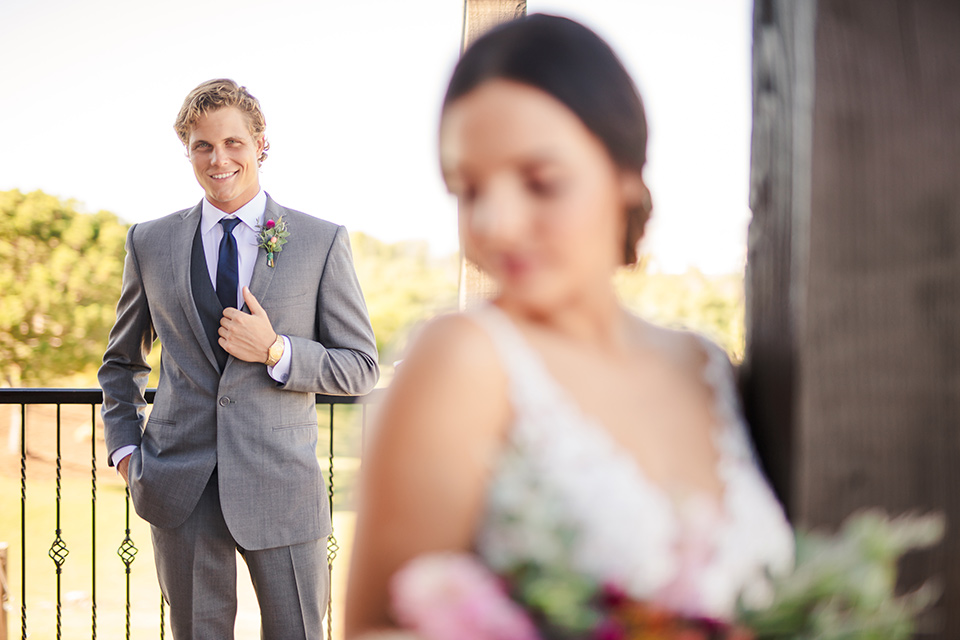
221, 200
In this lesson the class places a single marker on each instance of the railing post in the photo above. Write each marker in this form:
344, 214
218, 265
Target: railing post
4, 593
479, 16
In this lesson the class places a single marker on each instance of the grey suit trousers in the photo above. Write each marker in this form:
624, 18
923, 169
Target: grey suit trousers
197, 570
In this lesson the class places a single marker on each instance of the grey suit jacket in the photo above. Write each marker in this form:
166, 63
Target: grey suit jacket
260, 435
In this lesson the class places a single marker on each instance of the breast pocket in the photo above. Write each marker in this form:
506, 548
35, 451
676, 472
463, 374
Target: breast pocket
283, 302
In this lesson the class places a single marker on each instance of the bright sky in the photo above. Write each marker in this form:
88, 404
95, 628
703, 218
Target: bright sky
351, 91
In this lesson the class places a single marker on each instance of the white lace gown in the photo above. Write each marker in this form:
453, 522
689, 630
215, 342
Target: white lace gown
561, 473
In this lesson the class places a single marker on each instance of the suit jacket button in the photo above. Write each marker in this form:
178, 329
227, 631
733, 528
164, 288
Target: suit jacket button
224, 401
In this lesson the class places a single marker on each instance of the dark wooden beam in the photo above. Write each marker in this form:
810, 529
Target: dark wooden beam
853, 355
776, 256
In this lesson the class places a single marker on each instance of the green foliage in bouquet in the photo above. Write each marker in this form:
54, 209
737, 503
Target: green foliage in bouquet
563, 603
844, 586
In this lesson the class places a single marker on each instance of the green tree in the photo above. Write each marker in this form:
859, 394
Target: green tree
711, 305
59, 287
403, 286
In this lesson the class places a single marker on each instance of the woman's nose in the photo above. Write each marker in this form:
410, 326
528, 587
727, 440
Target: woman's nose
497, 214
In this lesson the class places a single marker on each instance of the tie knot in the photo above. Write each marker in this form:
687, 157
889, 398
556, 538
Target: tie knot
229, 224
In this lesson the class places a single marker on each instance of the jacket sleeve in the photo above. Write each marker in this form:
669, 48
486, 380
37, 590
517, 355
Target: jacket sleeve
344, 360
123, 375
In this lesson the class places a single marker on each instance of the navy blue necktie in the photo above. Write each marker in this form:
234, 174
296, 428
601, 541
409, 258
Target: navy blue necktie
228, 273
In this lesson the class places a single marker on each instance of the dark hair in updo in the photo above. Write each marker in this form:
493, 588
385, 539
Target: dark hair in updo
574, 65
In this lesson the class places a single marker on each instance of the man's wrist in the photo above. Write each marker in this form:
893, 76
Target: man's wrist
122, 452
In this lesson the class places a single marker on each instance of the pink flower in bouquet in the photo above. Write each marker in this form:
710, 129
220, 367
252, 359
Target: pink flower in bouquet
270, 224
445, 596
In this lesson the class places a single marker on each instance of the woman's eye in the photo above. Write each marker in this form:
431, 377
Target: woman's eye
542, 187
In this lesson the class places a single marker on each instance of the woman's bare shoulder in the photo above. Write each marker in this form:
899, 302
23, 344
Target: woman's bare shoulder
680, 338
450, 373
454, 344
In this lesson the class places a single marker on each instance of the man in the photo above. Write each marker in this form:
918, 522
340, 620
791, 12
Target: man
227, 460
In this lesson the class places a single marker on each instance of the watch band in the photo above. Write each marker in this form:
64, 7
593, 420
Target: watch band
275, 352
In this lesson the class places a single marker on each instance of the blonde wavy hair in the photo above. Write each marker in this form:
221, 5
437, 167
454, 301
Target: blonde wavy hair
212, 95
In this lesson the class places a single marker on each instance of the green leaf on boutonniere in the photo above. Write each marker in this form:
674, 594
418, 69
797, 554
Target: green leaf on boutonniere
271, 236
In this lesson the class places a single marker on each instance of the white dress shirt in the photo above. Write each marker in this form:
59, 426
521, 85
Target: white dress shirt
211, 232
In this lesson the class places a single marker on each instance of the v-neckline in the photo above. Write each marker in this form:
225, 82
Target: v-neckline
594, 427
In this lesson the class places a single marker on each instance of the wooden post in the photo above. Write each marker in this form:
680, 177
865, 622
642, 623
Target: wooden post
852, 373
776, 253
4, 591
479, 16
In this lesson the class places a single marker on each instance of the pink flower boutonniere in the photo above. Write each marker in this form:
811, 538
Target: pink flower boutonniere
271, 236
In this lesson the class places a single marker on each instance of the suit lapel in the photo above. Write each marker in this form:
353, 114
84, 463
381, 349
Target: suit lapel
262, 274
181, 256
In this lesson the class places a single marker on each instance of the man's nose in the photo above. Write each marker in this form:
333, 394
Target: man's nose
217, 156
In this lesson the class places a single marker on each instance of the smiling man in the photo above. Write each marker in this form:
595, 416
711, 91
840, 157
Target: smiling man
258, 308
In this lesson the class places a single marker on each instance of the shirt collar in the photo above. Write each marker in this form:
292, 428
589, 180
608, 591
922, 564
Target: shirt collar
249, 213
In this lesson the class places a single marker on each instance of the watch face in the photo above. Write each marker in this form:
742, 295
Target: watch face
275, 351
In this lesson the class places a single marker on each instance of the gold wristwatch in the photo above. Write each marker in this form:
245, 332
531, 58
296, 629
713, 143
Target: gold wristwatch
275, 352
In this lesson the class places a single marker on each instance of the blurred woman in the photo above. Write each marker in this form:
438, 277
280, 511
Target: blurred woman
551, 415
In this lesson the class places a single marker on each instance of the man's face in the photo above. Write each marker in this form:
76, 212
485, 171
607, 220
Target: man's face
224, 155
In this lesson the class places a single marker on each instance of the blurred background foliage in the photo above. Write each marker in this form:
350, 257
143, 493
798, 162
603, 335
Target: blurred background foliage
59, 288
403, 286
62, 270
710, 304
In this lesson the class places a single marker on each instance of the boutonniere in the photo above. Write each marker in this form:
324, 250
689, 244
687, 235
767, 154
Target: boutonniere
271, 236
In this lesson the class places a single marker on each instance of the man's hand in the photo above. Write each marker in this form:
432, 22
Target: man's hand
122, 468
247, 336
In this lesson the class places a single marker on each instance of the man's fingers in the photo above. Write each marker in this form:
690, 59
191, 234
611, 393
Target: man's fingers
251, 301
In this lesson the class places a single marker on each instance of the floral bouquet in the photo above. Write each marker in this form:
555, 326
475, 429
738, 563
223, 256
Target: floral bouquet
842, 587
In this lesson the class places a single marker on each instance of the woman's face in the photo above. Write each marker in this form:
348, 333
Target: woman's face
542, 204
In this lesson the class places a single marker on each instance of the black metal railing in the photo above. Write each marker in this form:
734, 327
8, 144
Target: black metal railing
59, 550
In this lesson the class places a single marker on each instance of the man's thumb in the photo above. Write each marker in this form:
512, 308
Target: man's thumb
251, 301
